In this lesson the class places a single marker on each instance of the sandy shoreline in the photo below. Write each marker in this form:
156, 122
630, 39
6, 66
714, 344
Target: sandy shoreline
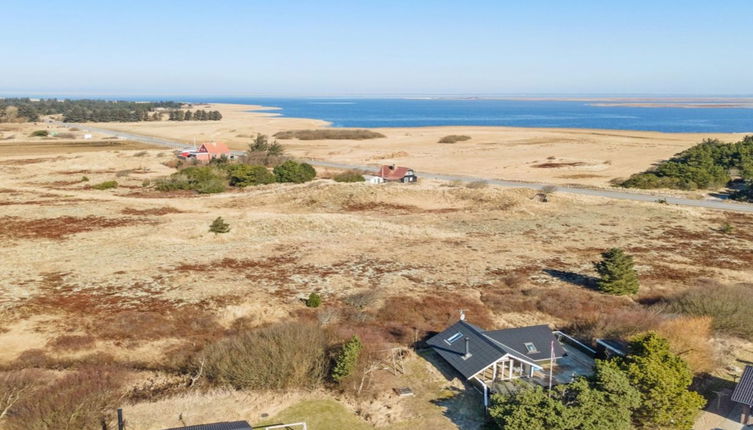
554, 155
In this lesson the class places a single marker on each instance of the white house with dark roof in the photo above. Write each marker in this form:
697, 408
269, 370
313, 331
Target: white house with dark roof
491, 359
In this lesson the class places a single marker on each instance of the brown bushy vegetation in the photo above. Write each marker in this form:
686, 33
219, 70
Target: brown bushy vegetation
454, 138
276, 357
83, 399
689, 338
409, 319
72, 342
729, 306
324, 134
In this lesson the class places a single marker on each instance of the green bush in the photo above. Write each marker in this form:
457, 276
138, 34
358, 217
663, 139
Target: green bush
282, 356
219, 226
347, 359
243, 175
105, 185
314, 300
617, 273
203, 179
349, 176
40, 133
291, 171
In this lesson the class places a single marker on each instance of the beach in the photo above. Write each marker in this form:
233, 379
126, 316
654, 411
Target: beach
551, 155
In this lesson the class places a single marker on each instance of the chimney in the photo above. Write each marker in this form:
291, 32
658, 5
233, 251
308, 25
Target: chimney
467, 348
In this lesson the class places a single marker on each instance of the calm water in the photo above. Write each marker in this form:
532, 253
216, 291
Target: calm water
527, 113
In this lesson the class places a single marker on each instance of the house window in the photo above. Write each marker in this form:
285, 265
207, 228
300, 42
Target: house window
453, 338
531, 348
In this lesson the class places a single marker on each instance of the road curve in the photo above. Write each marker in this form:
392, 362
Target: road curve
708, 203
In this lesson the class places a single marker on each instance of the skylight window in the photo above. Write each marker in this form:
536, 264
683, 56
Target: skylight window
453, 338
530, 347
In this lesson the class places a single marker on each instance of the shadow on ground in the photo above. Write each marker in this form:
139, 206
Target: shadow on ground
578, 279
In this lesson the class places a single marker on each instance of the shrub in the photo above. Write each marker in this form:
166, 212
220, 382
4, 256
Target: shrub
203, 179
322, 134
454, 138
291, 355
349, 176
726, 228
347, 359
65, 136
219, 226
690, 337
105, 185
243, 175
84, 179
84, 399
617, 273
314, 300
291, 171
40, 133
728, 305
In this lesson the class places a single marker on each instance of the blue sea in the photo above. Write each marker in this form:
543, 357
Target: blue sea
370, 113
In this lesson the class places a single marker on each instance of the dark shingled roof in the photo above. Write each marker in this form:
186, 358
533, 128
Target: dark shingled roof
539, 335
484, 349
234, 425
744, 390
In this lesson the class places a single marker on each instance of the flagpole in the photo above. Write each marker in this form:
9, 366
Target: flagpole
551, 366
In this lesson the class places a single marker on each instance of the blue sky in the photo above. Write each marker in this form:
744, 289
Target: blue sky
314, 48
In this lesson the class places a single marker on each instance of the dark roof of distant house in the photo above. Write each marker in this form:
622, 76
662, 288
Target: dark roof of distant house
744, 390
539, 335
484, 350
233, 425
394, 172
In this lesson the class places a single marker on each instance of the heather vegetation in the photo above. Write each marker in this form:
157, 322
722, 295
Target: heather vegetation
329, 133
708, 165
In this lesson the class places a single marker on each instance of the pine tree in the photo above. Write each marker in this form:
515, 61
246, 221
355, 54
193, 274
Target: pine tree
663, 380
219, 226
347, 359
187, 116
617, 273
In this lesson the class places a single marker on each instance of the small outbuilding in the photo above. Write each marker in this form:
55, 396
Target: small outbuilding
743, 394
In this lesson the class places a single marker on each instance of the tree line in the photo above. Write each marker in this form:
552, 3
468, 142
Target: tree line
199, 115
709, 165
85, 110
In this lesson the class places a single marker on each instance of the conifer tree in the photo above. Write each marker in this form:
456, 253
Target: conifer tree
187, 116
617, 273
347, 359
219, 226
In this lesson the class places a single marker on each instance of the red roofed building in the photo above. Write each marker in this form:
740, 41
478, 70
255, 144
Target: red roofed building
397, 173
207, 152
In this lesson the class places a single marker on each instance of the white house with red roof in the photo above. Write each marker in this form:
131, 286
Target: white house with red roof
392, 173
207, 151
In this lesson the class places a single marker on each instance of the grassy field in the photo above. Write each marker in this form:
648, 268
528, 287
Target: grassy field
128, 276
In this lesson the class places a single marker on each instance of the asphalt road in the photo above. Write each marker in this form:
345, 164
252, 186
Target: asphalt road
708, 203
